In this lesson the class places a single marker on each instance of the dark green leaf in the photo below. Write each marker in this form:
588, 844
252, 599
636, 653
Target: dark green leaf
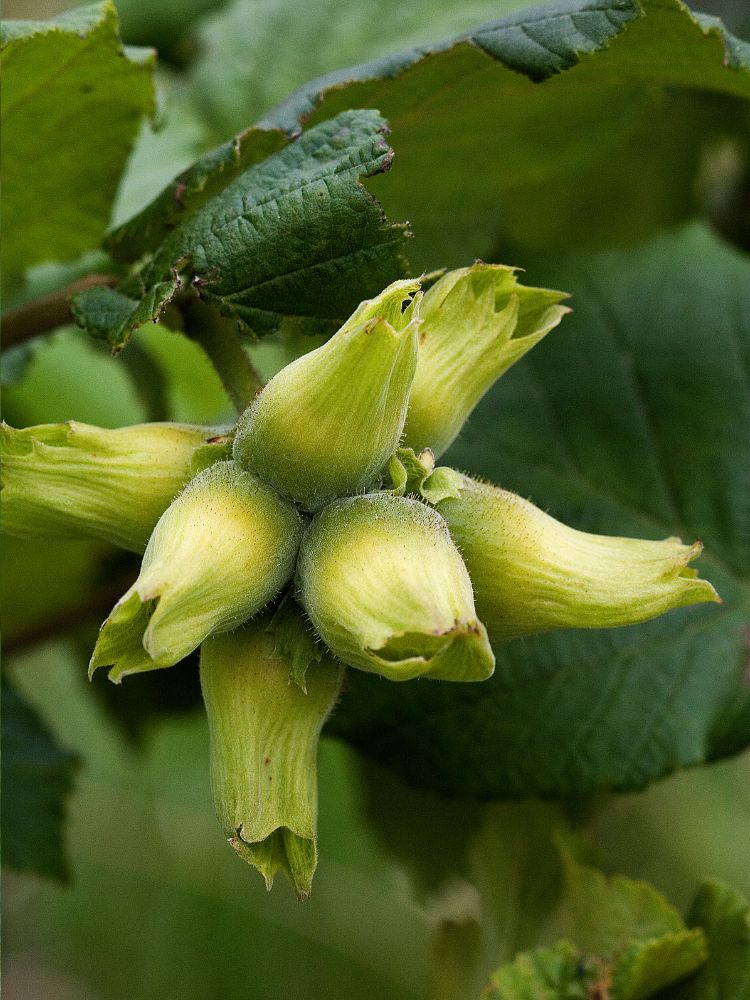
237, 41
101, 310
73, 99
166, 24
37, 776
632, 419
584, 123
295, 235
190, 190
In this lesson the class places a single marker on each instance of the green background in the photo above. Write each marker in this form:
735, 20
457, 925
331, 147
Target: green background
157, 906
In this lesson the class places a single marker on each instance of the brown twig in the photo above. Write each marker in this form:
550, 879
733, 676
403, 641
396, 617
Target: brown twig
48, 313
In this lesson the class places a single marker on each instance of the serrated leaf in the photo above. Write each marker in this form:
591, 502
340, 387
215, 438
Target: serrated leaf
190, 190
584, 123
644, 968
618, 935
37, 776
724, 916
602, 914
632, 420
244, 32
295, 235
73, 99
555, 973
565, 972
613, 933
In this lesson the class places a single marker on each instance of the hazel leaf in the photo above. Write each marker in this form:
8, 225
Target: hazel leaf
73, 99
584, 122
37, 777
294, 235
647, 435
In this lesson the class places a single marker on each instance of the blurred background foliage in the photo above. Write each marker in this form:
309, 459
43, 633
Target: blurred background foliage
158, 906
413, 893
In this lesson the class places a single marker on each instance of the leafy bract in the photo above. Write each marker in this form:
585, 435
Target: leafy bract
632, 420
294, 639
553, 108
73, 99
294, 235
37, 776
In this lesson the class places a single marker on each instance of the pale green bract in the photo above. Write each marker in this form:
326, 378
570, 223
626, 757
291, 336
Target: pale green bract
218, 555
264, 740
476, 323
387, 590
532, 573
405, 569
73, 480
327, 423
